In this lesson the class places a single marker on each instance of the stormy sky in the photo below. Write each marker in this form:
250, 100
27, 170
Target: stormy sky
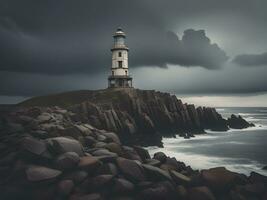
209, 51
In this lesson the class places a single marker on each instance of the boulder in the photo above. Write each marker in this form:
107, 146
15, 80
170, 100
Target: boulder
65, 187
179, 178
44, 117
41, 173
131, 169
89, 141
143, 153
100, 144
61, 145
89, 163
220, 179
108, 168
34, 146
160, 156
112, 137
104, 152
100, 181
67, 160
77, 176
115, 148
153, 162
159, 191
200, 193
155, 173
122, 186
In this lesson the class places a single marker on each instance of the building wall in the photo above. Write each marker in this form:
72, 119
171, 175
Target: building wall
116, 58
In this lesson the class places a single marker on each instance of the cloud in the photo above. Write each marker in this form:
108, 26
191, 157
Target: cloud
60, 41
251, 59
50, 46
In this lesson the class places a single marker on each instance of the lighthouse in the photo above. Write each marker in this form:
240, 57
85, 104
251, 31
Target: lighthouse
119, 76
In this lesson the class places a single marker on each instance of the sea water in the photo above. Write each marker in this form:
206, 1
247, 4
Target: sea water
242, 151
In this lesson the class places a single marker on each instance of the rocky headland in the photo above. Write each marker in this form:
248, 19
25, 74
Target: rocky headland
141, 116
65, 147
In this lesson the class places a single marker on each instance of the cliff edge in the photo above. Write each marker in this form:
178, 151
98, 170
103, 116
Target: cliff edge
135, 114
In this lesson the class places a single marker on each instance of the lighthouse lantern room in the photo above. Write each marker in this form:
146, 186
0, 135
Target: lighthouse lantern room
119, 70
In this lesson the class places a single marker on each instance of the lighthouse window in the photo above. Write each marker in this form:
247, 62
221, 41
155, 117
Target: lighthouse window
119, 54
120, 64
126, 73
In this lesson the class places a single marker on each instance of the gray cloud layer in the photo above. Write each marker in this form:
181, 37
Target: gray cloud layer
251, 59
50, 46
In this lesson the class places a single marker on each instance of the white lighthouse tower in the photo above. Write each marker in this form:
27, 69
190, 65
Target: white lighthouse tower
119, 71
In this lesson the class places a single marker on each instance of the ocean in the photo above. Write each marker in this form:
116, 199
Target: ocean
241, 151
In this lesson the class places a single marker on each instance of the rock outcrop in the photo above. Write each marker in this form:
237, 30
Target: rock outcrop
141, 116
237, 122
45, 154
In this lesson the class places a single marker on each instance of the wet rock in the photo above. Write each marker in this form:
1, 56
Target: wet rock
258, 178
100, 181
65, 187
220, 179
62, 145
101, 138
200, 193
122, 186
237, 122
143, 153
160, 191
77, 176
89, 141
153, 162
108, 168
34, 146
112, 137
115, 148
40, 173
104, 152
131, 169
67, 160
40, 134
180, 178
107, 158
160, 156
89, 163
44, 117
155, 173
100, 144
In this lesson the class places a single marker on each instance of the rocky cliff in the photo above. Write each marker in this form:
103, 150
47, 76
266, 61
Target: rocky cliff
45, 155
134, 113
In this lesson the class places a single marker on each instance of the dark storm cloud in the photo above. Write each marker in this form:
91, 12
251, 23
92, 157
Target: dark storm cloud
50, 46
251, 59
57, 38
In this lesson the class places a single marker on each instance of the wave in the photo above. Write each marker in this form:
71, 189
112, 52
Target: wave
197, 161
262, 111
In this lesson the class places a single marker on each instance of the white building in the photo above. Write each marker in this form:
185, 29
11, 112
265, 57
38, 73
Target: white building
119, 71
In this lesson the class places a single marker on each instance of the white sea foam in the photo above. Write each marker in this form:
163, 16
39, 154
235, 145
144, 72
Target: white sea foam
197, 161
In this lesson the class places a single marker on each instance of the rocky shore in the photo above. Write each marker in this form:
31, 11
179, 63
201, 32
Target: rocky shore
50, 153
139, 116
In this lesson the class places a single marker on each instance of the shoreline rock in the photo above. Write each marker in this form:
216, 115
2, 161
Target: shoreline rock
61, 155
137, 116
